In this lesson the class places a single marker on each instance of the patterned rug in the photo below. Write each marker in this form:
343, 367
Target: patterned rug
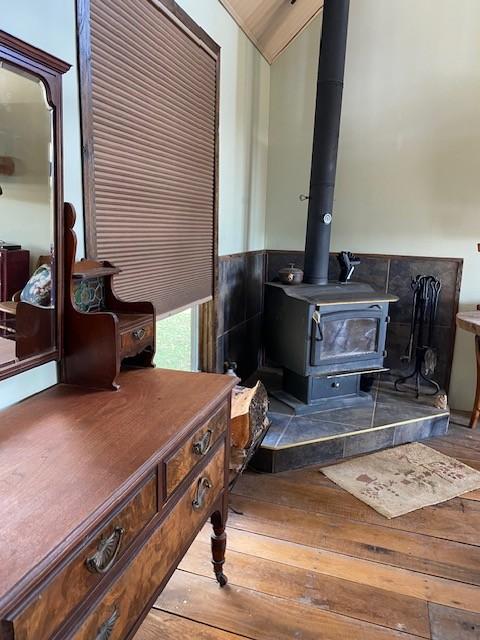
400, 480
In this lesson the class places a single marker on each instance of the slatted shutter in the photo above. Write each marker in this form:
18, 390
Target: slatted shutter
151, 174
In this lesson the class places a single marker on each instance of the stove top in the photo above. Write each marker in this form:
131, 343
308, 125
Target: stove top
334, 293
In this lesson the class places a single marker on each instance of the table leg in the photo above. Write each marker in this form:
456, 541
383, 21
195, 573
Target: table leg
476, 407
219, 543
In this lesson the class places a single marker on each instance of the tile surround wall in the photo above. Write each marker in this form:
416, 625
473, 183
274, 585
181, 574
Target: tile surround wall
240, 311
240, 308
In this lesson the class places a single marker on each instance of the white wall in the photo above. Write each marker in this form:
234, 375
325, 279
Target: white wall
244, 111
50, 26
409, 155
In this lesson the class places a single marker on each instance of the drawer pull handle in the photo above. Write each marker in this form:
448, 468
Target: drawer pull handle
106, 553
139, 334
202, 446
105, 631
203, 486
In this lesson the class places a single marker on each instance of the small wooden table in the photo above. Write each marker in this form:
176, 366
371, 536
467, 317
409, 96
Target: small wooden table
470, 321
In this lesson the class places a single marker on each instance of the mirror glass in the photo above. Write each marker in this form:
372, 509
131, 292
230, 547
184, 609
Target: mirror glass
27, 225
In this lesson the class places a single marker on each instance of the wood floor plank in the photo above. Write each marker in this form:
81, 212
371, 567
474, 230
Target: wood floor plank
360, 601
160, 625
456, 449
464, 433
261, 617
401, 581
452, 624
406, 550
457, 520
308, 561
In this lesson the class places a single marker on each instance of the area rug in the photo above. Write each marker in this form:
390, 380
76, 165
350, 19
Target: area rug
400, 480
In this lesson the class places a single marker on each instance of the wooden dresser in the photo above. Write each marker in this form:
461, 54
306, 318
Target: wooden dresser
102, 494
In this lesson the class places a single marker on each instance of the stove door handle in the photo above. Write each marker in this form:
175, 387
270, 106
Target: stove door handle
316, 338
317, 328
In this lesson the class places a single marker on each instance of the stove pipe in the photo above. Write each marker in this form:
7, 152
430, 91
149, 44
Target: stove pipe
331, 69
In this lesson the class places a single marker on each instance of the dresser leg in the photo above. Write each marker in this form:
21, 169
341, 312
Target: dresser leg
476, 408
219, 545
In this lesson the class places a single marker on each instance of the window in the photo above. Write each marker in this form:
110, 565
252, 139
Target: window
177, 341
149, 110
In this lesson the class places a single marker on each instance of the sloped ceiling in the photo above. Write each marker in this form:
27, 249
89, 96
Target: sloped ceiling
272, 24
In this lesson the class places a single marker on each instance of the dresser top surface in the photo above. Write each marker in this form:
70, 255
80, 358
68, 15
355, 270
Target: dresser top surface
68, 454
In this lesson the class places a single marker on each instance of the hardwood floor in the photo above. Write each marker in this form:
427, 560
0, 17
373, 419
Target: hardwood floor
308, 561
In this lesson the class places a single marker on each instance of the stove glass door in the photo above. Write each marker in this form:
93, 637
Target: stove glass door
349, 337
344, 336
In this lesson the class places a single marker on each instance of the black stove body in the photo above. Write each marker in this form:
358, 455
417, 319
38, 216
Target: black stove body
325, 337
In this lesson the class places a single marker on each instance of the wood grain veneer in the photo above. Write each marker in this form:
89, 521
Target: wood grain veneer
69, 457
138, 584
197, 446
51, 605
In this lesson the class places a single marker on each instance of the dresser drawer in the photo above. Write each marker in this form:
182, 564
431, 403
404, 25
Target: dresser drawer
125, 601
56, 601
179, 465
136, 339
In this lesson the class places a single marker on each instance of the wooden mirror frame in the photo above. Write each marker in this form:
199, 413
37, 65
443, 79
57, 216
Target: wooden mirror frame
50, 70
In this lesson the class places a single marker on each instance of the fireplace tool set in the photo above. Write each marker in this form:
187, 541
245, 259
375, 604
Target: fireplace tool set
420, 349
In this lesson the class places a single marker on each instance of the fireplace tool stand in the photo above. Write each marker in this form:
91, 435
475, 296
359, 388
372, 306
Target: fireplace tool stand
426, 293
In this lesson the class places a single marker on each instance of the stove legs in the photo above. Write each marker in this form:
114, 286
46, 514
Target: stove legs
476, 407
219, 545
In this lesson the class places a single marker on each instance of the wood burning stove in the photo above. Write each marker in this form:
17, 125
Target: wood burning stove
325, 335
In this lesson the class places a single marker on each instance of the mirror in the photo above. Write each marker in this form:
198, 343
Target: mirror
31, 198
27, 300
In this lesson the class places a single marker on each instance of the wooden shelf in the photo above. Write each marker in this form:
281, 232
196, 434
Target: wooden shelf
97, 272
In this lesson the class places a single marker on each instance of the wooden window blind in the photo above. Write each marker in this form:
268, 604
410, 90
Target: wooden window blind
149, 103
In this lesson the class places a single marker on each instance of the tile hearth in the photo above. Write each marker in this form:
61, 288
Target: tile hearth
390, 419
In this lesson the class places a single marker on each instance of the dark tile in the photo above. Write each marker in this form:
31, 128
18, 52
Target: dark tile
387, 394
231, 292
413, 432
234, 350
372, 270
278, 423
243, 345
255, 277
401, 411
440, 426
403, 270
304, 456
220, 355
254, 344
371, 441
354, 417
263, 460
278, 259
397, 341
303, 429
271, 378
280, 407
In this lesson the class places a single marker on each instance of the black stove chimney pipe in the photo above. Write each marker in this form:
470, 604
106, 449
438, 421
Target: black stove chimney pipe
331, 69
